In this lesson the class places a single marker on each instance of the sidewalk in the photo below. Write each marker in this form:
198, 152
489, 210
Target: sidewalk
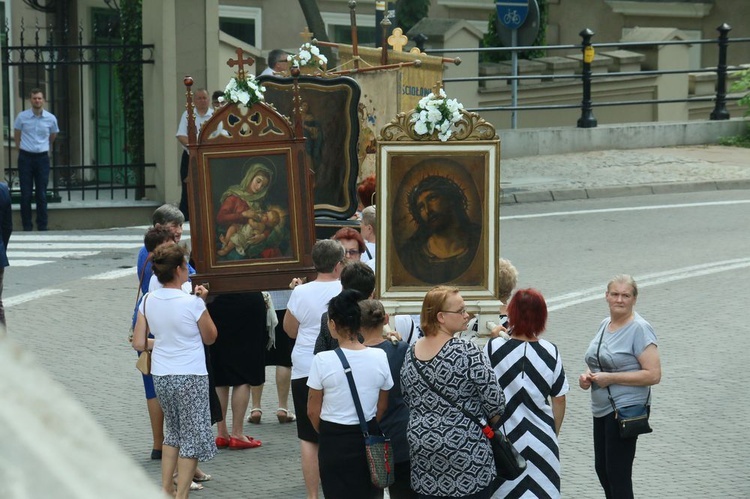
612, 173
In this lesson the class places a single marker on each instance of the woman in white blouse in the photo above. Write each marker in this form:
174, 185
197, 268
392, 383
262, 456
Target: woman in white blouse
341, 453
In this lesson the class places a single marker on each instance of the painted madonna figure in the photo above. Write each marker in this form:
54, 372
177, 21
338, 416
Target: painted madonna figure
248, 226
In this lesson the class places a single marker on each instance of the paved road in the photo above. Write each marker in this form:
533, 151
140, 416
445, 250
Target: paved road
689, 251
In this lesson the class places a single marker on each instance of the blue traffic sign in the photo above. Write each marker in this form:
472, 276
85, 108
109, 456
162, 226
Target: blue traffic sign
512, 13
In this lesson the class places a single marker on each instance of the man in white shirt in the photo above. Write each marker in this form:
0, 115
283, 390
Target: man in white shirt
277, 62
34, 131
367, 228
202, 113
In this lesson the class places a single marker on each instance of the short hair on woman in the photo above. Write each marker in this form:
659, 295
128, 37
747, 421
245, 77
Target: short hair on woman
527, 313
373, 313
358, 276
507, 279
167, 214
366, 190
368, 216
326, 254
156, 236
349, 233
624, 279
343, 309
166, 260
433, 303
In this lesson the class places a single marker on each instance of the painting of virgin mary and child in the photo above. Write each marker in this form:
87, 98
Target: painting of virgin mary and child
252, 221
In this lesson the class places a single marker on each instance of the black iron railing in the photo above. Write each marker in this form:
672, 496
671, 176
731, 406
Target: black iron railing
587, 119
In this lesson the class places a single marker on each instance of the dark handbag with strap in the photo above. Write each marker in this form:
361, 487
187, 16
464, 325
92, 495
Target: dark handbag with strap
377, 447
509, 463
632, 420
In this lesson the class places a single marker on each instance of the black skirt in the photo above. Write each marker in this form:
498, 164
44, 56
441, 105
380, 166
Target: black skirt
238, 355
342, 461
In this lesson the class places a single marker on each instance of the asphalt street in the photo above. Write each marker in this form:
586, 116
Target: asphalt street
688, 250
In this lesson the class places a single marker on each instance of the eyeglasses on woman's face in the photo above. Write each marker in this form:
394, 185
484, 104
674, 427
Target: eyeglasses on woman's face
461, 311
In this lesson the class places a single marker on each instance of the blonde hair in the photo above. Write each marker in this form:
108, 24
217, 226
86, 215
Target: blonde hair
507, 278
433, 304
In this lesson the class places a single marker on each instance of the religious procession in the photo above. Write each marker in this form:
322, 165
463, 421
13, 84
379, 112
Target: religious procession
345, 229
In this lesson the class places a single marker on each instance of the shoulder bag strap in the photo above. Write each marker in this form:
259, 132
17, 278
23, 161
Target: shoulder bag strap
353, 388
140, 281
432, 387
609, 392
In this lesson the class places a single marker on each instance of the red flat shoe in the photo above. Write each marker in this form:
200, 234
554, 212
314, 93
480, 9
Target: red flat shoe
237, 444
222, 443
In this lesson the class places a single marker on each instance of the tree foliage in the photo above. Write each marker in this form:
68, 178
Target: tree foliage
410, 12
492, 39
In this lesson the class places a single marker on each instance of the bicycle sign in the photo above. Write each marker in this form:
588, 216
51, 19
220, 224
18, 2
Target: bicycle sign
512, 13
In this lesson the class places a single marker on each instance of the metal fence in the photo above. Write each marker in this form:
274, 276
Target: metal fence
94, 156
587, 119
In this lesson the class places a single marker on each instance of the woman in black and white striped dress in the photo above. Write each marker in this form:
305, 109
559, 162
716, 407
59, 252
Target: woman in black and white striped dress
531, 373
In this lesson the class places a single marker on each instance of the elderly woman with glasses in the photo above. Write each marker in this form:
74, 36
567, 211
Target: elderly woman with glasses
450, 456
351, 239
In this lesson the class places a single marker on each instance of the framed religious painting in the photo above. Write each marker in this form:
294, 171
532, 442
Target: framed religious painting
330, 124
438, 213
252, 226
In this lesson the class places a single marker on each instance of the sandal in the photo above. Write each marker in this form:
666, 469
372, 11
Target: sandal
201, 478
193, 486
285, 415
253, 418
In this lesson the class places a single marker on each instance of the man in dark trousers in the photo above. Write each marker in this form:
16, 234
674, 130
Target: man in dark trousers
34, 131
6, 228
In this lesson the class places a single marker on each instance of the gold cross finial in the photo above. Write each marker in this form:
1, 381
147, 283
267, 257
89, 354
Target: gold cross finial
240, 62
397, 40
306, 35
437, 87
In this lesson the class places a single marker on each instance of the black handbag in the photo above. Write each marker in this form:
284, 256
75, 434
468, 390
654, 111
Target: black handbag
377, 447
633, 419
509, 463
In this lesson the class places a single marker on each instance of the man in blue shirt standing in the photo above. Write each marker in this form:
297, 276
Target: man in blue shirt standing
6, 227
34, 132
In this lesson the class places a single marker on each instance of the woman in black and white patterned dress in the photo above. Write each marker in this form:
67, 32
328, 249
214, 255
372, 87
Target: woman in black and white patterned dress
450, 457
531, 373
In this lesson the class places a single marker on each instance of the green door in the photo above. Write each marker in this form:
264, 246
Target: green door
108, 114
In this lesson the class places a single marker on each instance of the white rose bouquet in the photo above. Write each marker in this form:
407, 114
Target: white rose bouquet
436, 113
245, 91
308, 55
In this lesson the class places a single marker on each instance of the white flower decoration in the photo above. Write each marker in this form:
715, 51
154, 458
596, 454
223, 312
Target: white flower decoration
246, 91
436, 114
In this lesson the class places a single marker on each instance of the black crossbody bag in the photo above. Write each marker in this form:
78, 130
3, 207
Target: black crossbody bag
633, 419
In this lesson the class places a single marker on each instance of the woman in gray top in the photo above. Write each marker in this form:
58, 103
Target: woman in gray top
623, 357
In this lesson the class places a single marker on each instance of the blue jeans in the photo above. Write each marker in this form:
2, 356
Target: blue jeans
33, 173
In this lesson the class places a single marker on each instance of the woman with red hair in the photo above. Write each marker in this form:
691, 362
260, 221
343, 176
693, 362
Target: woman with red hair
531, 374
366, 191
352, 241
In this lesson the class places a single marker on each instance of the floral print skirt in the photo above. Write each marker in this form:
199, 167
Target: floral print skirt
187, 417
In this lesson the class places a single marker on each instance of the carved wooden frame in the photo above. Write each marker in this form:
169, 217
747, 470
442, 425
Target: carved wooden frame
231, 139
